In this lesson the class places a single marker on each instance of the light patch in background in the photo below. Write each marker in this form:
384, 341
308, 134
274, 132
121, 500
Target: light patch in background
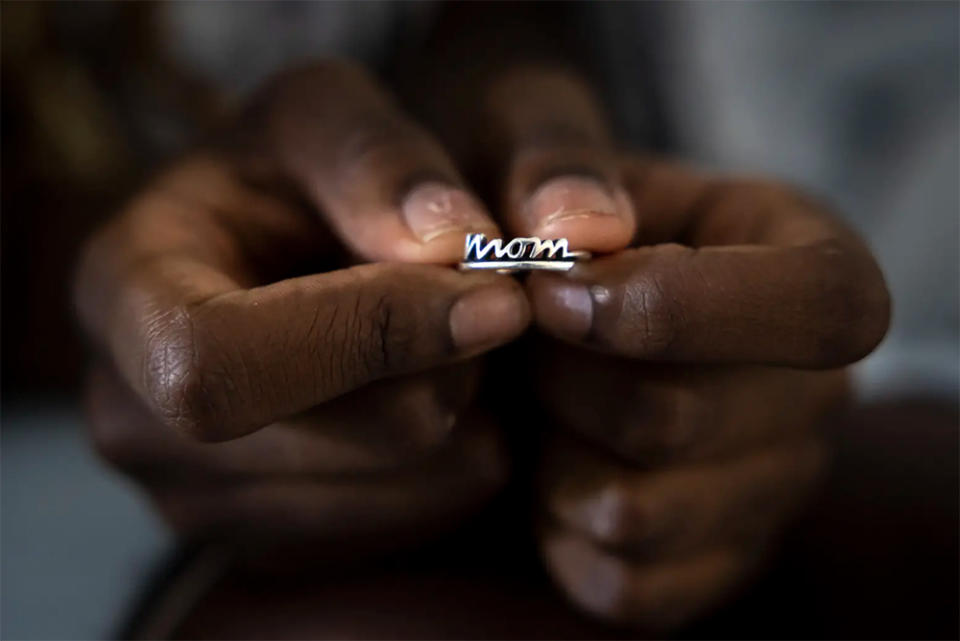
857, 103
76, 542
237, 45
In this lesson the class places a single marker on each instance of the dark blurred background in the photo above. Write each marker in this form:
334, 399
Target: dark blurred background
856, 101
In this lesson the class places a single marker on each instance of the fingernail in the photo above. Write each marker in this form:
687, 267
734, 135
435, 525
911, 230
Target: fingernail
488, 316
433, 209
568, 197
562, 307
597, 580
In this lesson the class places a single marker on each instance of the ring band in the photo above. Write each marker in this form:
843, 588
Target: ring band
519, 254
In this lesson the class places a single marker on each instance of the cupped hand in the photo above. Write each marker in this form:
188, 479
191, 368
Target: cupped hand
260, 387
697, 366
683, 372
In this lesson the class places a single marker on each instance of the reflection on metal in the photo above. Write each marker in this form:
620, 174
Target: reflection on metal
519, 254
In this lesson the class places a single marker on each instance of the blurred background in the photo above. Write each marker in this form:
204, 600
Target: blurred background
857, 102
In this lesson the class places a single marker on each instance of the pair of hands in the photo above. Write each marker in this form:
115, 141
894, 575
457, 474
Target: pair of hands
284, 304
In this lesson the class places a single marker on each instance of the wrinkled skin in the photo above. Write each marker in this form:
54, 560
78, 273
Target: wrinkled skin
286, 356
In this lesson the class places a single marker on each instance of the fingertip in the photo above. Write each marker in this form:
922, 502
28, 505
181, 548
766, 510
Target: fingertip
561, 306
592, 216
488, 316
438, 217
445, 248
594, 580
391, 240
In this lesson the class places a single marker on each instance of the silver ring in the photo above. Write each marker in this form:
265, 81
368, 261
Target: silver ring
519, 254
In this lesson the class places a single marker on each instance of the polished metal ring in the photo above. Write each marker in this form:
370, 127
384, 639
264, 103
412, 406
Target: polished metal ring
519, 254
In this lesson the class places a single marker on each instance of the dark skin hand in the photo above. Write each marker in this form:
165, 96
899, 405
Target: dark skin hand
685, 374
682, 372
277, 407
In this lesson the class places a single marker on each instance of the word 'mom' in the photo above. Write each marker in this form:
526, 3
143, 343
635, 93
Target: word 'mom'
518, 253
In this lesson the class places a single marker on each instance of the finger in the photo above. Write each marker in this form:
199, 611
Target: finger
649, 413
384, 184
656, 596
674, 510
561, 177
383, 426
782, 284
428, 498
218, 359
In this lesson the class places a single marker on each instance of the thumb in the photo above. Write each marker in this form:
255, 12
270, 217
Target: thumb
247, 358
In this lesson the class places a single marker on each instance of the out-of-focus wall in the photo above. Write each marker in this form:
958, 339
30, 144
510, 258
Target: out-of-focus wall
855, 101
90, 104
860, 103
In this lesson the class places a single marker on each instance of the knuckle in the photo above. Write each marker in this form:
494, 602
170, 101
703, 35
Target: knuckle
392, 336
475, 457
366, 339
369, 321
645, 316
622, 515
673, 420
689, 412
422, 420
186, 387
